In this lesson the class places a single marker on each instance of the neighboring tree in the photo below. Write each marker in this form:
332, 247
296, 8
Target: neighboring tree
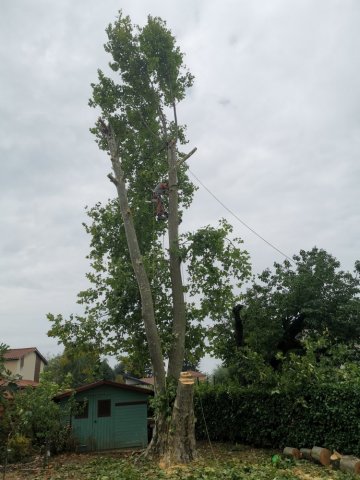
136, 305
3, 349
308, 300
77, 368
31, 417
7, 379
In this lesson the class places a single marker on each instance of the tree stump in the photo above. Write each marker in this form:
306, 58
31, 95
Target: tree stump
181, 445
306, 453
321, 455
335, 460
350, 464
292, 452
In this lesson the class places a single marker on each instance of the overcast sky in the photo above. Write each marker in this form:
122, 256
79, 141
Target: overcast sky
274, 113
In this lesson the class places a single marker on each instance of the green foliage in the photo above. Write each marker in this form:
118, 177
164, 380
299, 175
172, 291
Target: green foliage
147, 81
6, 376
32, 414
287, 308
76, 368
19, 448
339, 363
324, 415
3, 349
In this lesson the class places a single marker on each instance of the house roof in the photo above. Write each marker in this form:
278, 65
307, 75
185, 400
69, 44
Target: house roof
100, 383
20, 383
194, 374
135, 379
148, 380
17, 353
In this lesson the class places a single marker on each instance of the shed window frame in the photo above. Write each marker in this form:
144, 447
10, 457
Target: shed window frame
83, 406
104, 408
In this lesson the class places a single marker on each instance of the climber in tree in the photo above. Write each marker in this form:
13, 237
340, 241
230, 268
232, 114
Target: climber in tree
159, 191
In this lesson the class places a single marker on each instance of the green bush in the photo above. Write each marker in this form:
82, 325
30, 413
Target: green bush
327, 415
19, 449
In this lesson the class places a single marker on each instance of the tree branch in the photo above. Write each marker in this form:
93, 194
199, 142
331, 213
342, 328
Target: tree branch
183, 159
163, 121
112, 179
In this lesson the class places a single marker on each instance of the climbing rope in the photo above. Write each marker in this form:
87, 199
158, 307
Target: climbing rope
206, 428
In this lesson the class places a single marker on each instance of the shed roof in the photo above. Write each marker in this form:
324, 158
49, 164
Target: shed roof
17, 353
100, 383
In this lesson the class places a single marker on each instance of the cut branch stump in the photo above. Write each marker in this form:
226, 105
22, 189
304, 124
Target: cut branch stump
321, 455
335, 460
350, 464
292, 452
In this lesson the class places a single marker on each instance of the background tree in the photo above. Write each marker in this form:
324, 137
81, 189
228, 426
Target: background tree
77, 368
136, 303
305, 305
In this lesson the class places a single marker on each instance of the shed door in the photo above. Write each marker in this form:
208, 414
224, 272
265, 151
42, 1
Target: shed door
130, 424
103, 430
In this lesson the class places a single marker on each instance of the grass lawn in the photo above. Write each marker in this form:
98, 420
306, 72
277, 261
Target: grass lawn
222, 462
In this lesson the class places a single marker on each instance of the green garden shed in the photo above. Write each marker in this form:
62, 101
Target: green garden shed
110, 415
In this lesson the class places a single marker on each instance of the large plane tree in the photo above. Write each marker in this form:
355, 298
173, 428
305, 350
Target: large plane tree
137, 303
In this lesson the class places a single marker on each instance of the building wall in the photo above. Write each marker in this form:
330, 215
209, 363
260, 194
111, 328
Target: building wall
12, 366
28, 369
25, 368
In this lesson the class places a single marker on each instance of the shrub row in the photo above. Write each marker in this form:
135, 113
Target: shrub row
328, 416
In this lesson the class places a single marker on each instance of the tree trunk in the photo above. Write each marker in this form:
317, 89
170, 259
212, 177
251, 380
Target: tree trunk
181, 438
147, 304
181, 445
174, 438
176, 356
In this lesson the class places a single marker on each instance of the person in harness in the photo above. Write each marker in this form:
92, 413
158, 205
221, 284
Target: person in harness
159, 191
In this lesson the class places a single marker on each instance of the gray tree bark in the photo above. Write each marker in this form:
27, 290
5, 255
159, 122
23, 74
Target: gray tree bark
174, 438
176, 356
147, 304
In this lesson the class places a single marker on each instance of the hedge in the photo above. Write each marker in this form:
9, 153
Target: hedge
328, 416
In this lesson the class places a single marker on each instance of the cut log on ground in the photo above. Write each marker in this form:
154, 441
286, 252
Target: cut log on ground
292, 452
321, 455
350, 464
306, 453
335, 460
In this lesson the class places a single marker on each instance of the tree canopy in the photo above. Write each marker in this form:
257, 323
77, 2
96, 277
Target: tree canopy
137, 105
77, 368
309, 304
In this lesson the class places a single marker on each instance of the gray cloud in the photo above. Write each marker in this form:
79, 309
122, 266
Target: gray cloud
274, 113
